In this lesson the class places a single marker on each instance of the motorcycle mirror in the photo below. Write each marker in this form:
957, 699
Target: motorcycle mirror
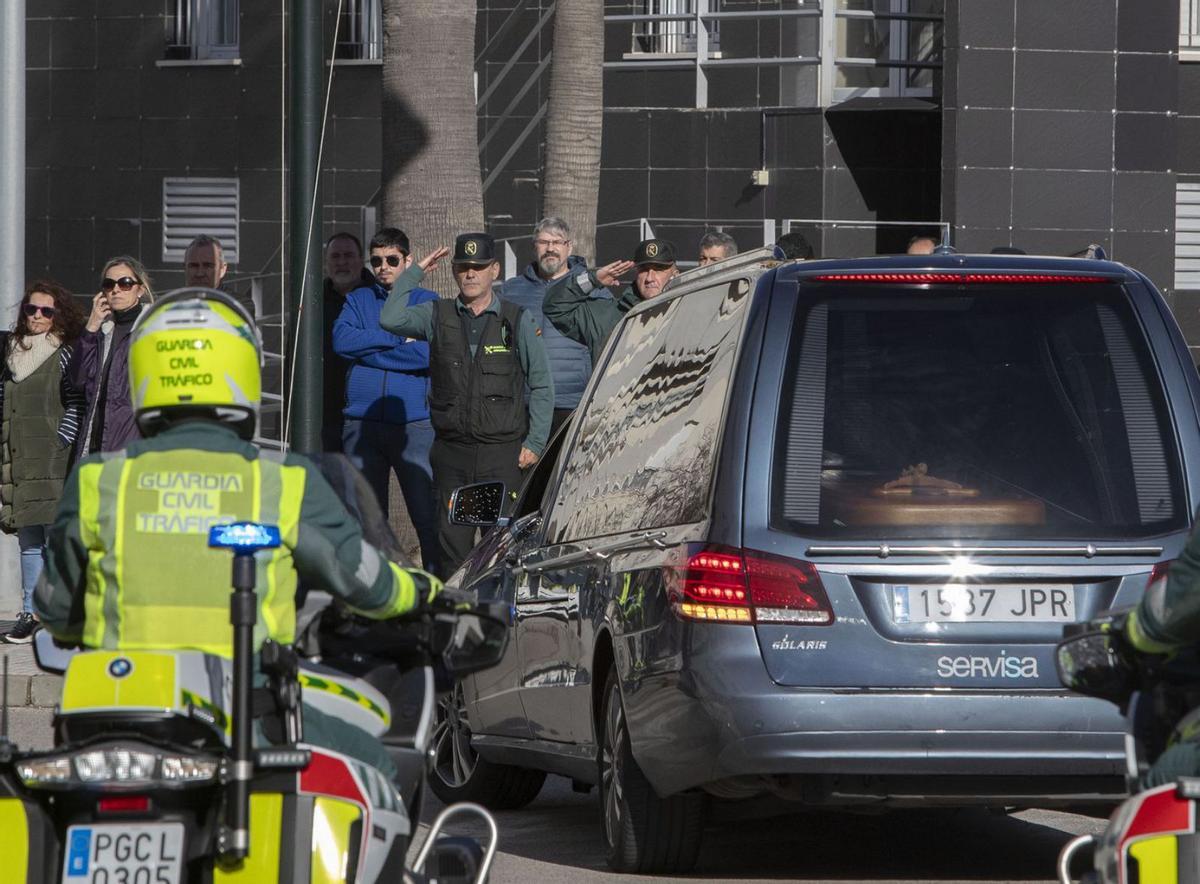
477, 642
1088, 664
49, 655
478, 506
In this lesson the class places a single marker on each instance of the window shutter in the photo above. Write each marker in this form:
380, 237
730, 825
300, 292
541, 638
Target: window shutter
192, 206
1187, 235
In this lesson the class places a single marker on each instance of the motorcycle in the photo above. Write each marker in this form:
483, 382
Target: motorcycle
154, 777
1151, 836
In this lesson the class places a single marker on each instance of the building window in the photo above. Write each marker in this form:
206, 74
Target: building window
205, 29
360, 31
888, 47
1189, 27
669, 32
192, 206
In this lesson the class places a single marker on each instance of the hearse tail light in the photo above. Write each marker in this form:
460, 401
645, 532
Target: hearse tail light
743, 586
786, 591
956, 277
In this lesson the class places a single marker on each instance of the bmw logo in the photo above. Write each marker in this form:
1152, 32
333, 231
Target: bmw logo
120, 667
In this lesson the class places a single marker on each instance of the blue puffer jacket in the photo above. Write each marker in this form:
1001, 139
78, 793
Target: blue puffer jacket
389, 376
570, 362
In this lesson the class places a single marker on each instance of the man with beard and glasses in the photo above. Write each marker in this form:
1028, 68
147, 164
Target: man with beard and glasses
386, 416
570, 361
572, 308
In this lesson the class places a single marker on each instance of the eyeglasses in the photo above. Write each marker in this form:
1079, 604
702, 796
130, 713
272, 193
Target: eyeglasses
546, 243
35, 309
125, 283
393, 260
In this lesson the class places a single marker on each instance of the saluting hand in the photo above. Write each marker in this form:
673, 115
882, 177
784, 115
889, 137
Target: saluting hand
610, 274
430, 262
526, 459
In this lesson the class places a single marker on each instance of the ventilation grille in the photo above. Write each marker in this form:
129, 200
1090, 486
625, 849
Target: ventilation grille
192, 206
1187, 235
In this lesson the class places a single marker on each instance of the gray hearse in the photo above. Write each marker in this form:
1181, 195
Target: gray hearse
813, 535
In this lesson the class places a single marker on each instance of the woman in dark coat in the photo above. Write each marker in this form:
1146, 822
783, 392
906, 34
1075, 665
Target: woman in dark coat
41, 414
100, 366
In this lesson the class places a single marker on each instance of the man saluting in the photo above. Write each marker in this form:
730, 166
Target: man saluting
483, 354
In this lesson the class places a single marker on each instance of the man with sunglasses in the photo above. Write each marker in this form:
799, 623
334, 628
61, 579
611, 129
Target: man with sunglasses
386, 423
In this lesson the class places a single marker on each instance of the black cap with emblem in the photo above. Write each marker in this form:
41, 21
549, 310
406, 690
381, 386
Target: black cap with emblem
474, 248
654, 251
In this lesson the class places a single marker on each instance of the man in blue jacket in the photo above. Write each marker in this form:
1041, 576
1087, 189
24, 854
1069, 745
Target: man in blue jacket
570, 361
387, 423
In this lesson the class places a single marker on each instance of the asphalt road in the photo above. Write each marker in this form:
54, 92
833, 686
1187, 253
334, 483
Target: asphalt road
558, 839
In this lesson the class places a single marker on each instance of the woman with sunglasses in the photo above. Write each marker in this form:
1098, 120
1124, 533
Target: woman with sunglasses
41, 415
100, 366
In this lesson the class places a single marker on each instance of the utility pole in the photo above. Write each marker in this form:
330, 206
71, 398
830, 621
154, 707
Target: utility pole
304, 216
12, 221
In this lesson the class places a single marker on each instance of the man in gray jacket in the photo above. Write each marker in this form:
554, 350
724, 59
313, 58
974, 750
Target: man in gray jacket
570, 362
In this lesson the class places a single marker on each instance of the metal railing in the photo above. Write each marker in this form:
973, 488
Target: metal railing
830, 237
205, 29
855, 47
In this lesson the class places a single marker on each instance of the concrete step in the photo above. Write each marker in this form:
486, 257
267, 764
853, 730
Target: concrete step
27, 684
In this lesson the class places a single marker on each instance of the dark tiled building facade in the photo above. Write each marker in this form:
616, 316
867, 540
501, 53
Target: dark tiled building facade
1046, 126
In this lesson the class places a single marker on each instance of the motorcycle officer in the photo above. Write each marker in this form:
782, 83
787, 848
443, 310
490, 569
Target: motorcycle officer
1167, 620
128, 564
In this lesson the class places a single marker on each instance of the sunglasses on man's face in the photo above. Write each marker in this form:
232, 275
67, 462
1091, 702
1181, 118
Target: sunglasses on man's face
392, 260
34, 309
125, 283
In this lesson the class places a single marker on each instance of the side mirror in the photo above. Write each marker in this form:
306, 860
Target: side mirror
477, 642
1088, 663
478, 506
50, 657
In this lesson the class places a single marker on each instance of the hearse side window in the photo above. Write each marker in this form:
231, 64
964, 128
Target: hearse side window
979, 412
648, 438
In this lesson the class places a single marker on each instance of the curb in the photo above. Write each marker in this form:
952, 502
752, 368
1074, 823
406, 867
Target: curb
34, 690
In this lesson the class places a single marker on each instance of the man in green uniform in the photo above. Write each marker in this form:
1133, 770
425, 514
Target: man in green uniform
1167, 620
483, 354
569, 304
128, 565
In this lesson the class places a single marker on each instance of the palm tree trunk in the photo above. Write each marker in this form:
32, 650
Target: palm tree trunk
431, 184
575, 118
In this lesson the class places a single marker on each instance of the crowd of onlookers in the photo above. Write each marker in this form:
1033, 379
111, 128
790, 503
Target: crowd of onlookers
440, 392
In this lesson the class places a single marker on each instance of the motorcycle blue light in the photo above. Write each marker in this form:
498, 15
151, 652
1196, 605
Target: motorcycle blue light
244, 536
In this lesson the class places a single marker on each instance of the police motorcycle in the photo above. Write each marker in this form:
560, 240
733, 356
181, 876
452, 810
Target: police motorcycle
154, 778
1151, 837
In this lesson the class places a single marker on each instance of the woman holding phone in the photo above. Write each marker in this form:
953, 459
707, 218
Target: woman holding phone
40, 420
100, 365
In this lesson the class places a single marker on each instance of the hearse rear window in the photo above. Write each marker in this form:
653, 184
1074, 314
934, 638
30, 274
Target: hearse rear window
989, 411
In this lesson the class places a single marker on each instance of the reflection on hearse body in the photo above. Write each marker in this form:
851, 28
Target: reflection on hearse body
1000, 413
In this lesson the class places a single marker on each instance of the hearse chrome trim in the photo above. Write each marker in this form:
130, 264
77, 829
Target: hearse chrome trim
601, 552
